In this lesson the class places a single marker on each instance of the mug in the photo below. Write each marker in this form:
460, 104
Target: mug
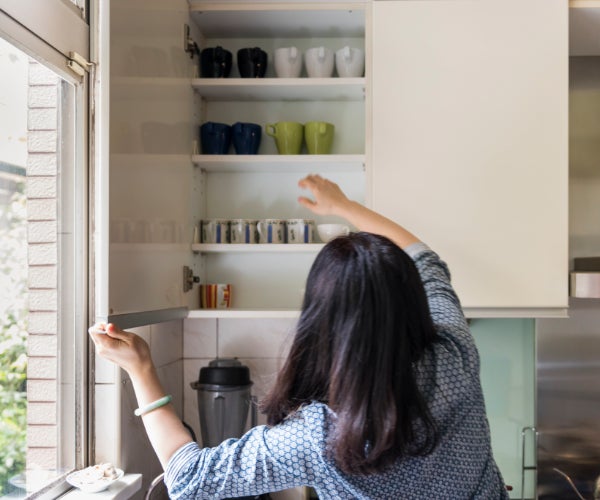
328, 232
288, 62
318, 137
252, 62
319, 62
271, 231
215, 62
300, 230
215, 231
246, 138
243, 231
288, 136
349, 62
215, 138
215, 296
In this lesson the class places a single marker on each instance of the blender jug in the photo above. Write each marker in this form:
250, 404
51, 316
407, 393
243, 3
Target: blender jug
224, 399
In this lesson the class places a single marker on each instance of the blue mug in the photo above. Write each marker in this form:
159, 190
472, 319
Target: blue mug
215, 138
246, 138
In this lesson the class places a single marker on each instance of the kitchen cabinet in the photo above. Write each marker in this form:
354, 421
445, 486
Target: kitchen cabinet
160, 186
470, 143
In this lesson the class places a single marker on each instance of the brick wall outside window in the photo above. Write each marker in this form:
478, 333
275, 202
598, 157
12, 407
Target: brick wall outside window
42, 235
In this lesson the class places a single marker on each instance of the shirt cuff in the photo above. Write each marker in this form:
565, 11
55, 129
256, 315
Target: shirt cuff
415, 249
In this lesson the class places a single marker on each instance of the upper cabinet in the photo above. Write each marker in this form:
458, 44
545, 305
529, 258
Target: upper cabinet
457, 128
470, 143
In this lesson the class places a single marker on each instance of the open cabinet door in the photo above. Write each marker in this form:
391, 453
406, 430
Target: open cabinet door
146, 185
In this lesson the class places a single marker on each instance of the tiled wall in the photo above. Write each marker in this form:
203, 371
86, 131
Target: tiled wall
42, 240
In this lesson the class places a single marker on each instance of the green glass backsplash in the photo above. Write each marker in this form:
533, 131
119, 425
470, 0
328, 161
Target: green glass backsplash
507, 351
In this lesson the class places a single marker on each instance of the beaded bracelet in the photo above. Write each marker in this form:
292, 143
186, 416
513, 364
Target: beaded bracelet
152, 406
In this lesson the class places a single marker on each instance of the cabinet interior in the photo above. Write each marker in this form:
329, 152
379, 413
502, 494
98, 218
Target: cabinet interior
162, 186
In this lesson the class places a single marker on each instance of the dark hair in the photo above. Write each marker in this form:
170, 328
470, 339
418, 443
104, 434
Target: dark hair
364, 325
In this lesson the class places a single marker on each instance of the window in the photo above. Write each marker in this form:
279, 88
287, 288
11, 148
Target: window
43, 256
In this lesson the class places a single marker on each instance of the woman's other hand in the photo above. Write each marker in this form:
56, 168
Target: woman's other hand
126, 349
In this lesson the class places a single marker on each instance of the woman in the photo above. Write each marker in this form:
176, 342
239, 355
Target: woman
380, 395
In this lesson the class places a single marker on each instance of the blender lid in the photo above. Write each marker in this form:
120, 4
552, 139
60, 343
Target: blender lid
225, 371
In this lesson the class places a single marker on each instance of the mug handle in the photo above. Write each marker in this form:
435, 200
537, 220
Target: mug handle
347, 53
322, 128
259, 225
271, 130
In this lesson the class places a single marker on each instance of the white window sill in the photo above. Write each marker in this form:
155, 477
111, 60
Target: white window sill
122, 489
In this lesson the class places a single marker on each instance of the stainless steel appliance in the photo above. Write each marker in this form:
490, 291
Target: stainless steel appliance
224, 399
568, 398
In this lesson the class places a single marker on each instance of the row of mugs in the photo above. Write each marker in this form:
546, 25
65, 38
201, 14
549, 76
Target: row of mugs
216, 138
216, 62
251, 231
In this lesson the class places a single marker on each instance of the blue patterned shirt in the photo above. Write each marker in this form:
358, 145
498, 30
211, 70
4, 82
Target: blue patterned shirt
293, 453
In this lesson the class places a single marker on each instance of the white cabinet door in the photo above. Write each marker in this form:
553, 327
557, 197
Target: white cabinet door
470, 143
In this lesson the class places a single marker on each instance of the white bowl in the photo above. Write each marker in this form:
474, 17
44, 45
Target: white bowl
89, 483
327, 232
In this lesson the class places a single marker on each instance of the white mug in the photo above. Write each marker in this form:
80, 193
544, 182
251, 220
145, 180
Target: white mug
300, 230
271, 231
319, 62
349, 62
287, 62
328, 232
215, 231
243, 231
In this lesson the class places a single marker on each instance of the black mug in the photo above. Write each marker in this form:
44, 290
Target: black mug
215, 62
252, 62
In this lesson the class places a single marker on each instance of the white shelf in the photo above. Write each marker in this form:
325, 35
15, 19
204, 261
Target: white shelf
280, 163
258, 248
280, 89
151, 160
263, 20
243, 313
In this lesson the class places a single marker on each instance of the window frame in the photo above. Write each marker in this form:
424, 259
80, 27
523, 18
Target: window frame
50, 31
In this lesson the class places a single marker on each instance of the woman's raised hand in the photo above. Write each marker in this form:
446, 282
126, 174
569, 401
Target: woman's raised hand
328, 197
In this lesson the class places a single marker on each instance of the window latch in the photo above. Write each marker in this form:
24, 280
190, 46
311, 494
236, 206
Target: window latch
78, 64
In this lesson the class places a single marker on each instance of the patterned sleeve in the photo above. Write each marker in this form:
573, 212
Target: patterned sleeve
264, 459
444, 305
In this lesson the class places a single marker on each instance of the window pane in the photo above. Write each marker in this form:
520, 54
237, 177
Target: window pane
41, 231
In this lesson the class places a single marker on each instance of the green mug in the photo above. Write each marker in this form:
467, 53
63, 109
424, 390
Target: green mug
318, 137
288, 136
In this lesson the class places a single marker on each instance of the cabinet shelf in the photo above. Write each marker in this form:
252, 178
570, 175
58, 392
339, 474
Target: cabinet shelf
263, 20
280, 163
280, 89
258, 248
243, 313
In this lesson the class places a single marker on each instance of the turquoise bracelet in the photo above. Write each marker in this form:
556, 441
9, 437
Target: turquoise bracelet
152, 406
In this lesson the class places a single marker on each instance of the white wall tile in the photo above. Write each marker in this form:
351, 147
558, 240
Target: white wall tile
166, 342
291, 494
42, 459
42, 277
200, 338
254, 338
41, 345
41, 231
42, 119
41, 187
41, 390
42, 141
42, 322
41, 413
41, 164
43, 300
171, 377
42, 368
42, 436
42, 254
42, 97
38, 74
41, 209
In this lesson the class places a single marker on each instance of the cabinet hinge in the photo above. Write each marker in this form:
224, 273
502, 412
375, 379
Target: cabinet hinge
78, 64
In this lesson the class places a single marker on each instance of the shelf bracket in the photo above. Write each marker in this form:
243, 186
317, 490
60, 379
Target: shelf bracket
189, 45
